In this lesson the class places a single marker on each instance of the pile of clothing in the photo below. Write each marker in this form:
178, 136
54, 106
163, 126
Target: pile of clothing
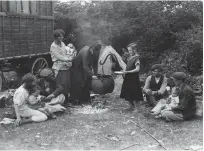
6, 98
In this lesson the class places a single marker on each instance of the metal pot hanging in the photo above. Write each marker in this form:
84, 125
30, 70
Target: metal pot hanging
103, 85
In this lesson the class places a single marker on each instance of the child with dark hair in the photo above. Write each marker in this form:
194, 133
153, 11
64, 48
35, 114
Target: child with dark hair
49, 93
20, 100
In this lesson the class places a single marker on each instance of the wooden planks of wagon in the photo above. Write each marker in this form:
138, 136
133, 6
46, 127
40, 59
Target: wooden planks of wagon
26, 33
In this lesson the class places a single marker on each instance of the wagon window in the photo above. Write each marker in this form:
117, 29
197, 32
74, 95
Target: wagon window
4, 6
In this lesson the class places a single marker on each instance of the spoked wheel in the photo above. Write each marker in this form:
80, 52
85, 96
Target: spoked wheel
38, 65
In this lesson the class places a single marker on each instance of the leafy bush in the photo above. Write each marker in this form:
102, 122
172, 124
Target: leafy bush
168, 32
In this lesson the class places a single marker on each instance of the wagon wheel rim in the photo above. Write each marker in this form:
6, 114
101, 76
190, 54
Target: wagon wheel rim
38, 65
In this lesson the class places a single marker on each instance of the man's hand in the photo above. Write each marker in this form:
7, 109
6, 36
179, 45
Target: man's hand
42, 98
94, 77
50, 97
149, 92
18, 122
159, 93
154, 92
42, 104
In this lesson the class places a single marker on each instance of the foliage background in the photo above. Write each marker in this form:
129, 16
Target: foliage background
168, 32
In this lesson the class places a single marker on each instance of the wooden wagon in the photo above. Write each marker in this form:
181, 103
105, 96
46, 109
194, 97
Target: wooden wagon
26, 33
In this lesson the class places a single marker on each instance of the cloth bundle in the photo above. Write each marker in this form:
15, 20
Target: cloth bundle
7, 121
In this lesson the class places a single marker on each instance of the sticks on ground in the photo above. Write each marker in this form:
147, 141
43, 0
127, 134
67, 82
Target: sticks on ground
149, 134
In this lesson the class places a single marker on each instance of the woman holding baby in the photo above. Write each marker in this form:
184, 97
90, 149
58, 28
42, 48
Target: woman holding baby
62, 62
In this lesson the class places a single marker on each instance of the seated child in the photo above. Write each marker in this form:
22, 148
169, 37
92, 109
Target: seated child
47, 98
37, 102
172, 101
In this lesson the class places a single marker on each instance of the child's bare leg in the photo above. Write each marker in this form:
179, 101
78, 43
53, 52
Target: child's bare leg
137, 105
47, 111
132, 106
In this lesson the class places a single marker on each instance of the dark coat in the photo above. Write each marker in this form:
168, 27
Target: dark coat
54, 89
83, 65
187, 102
81, 75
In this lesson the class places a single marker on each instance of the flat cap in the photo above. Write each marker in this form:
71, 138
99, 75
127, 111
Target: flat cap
46, 72
157, 66
179, 76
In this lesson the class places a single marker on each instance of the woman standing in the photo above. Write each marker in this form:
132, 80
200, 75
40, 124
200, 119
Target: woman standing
131, 88
61, 62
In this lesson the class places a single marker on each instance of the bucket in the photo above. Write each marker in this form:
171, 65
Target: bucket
103, 85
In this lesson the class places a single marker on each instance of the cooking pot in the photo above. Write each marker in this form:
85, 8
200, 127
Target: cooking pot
104, 84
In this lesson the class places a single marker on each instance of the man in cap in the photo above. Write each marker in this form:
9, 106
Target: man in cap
49, 88
155, 85
186, 108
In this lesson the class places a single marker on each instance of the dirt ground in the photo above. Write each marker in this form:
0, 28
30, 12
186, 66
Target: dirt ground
78, 131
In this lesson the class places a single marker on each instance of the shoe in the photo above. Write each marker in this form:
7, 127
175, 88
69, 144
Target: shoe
158, 116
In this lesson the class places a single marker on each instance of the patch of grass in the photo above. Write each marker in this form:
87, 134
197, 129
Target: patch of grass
89, 131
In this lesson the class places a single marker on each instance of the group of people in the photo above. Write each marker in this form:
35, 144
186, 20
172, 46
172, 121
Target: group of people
69, 81
172, 104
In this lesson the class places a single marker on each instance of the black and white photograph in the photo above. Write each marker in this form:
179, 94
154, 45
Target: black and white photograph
101, 75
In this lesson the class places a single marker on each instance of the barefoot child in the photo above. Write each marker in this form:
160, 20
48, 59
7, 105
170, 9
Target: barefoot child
131, 88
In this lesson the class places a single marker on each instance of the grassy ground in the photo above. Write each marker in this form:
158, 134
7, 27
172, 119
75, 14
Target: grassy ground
89, 131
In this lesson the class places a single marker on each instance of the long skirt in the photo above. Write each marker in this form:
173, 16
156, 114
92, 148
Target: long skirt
131, 88
63, 78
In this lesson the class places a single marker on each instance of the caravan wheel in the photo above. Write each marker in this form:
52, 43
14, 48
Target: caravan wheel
38, 65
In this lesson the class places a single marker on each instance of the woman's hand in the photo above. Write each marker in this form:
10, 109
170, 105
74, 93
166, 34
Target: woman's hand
94, 77
18, 122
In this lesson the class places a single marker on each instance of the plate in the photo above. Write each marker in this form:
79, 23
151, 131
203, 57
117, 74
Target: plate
118, 72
